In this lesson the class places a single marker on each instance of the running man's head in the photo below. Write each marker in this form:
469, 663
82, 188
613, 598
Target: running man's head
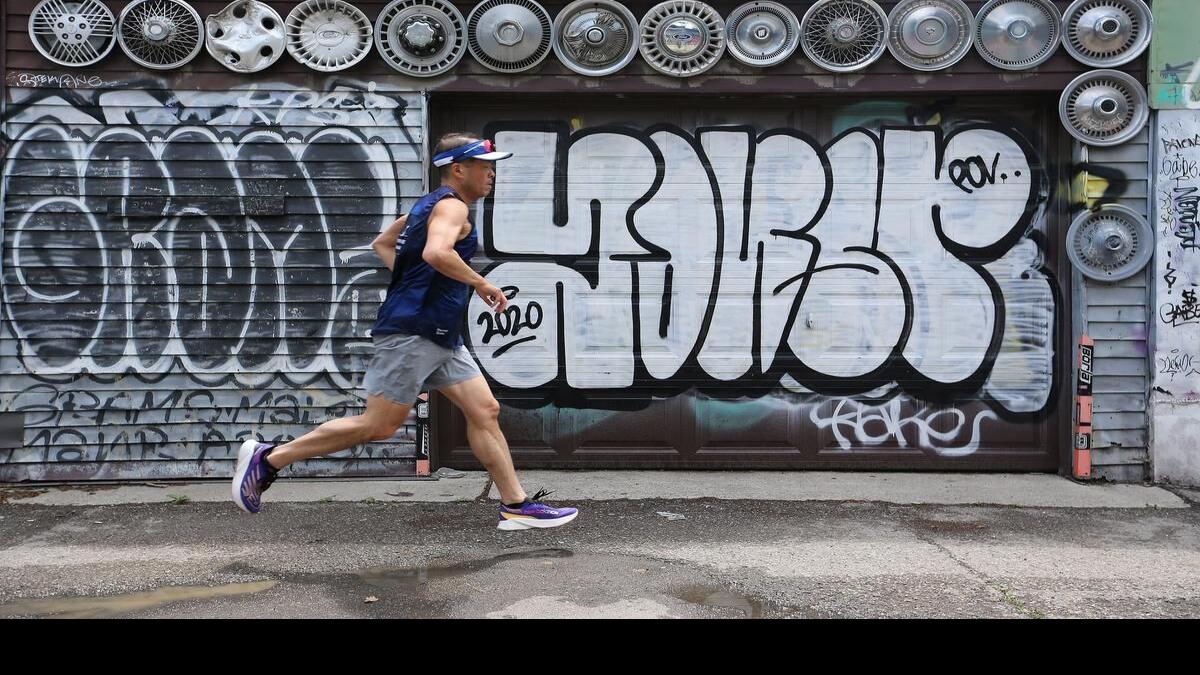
467, 164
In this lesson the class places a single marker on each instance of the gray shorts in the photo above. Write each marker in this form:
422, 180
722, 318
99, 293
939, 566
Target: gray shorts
405, 365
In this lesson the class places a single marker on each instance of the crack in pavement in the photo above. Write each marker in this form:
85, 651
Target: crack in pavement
1005, 592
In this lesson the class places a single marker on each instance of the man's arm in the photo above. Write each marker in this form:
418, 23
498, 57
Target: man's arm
445, 223
385, 243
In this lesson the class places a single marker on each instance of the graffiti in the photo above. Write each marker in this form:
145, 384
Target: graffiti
1172, 73
190, 267
1190, 88
964, 171
1177, 201
188, 238
1094, 185
1171, 144
871, 425
69, 425
509, 322
1180, 168
343, 106
64, 80
1186, 202
1178, 363
727, 260
1183, 313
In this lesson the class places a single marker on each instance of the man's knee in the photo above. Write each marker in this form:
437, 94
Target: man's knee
376, 428
485, 413
382, 431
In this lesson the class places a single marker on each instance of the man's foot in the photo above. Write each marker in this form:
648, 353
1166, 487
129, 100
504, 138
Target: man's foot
253, 475
534, 514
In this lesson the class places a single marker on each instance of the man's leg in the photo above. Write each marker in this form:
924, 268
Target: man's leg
517, 511
474, 397
379, 422
259, 463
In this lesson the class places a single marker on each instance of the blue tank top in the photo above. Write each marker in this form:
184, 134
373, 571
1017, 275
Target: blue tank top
420, 300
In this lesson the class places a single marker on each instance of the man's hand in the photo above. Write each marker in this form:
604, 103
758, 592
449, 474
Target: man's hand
493, 296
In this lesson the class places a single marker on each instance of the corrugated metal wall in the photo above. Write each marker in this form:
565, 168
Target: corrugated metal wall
185, 252
186, 259
598, 322
1121, 423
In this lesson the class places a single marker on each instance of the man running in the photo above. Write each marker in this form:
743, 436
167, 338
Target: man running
418, 342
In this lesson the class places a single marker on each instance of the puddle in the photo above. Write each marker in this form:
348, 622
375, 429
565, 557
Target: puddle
410, 578
105, 607
712, 596
413, 578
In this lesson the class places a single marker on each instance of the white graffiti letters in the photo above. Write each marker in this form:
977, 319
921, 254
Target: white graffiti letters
862, 424
169, 246
671, 260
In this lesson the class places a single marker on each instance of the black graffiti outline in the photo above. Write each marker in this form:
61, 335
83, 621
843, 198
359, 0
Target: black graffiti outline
1186, 205
1178, 362
1173, 72
1116, 184
1170, 144
61, 399
149, 135
963, 171
690, 375
1182, 314
513, 322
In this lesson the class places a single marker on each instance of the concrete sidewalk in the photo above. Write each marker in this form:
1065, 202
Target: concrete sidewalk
647, 544
1020, 490
623, 557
